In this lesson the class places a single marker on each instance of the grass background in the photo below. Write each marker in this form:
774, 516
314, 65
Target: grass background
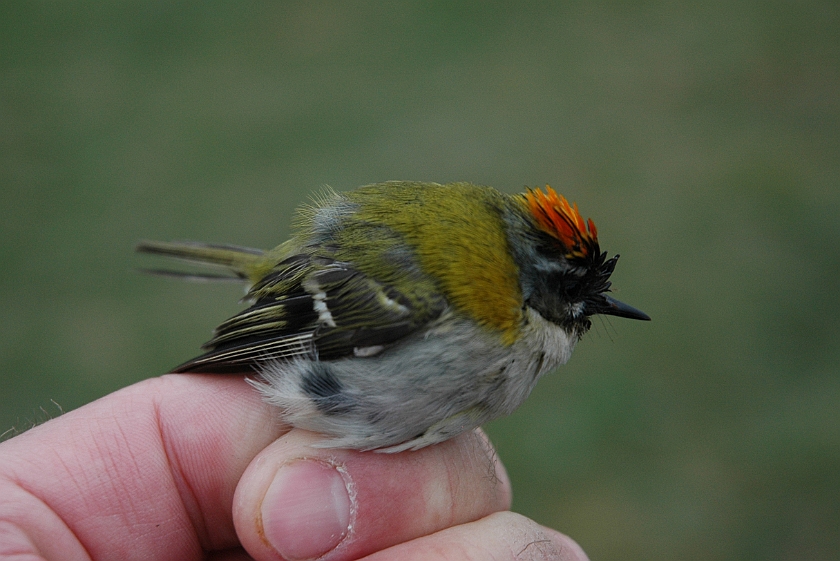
701, 137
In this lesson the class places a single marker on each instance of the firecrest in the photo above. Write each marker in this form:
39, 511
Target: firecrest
402, 314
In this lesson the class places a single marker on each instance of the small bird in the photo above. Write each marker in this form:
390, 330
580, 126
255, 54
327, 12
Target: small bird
402, 314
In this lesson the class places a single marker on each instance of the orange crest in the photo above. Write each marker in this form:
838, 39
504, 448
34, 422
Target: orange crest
562, 221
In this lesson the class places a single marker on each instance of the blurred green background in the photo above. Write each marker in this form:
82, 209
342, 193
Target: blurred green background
701, 137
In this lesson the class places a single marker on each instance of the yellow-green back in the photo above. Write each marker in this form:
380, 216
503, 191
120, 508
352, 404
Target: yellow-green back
458, 235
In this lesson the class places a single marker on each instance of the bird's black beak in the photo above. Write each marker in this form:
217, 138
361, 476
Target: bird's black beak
613, 307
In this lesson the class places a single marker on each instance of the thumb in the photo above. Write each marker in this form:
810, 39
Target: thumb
303, 502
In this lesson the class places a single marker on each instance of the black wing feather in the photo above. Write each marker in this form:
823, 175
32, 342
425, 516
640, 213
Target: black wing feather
283, 322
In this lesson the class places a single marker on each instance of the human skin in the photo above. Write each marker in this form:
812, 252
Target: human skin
197, 466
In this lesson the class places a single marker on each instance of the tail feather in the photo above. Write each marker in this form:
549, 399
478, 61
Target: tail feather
242, 262
194, 277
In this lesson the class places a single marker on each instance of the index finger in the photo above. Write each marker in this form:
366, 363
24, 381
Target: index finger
148, 472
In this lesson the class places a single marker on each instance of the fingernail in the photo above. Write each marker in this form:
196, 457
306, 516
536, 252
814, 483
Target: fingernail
306, 510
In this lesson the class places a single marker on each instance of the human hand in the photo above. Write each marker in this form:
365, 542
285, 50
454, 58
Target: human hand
193, 466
